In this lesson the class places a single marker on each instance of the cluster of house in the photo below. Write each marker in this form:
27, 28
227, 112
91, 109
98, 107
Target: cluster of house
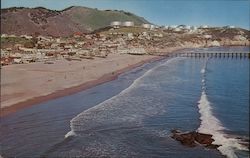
48, 49
88, 46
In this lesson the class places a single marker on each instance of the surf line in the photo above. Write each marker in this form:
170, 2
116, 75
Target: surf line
75, 123
212, 125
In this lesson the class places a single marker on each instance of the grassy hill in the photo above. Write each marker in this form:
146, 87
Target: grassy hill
93, 19
61, 23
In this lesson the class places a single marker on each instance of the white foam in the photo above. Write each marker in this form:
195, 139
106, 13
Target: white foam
203, 71
70, 133
110, 104
211, 125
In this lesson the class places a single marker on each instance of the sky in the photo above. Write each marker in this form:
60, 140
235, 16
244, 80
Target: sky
161, 12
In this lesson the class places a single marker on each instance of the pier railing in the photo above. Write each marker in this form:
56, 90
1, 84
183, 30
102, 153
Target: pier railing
211, 54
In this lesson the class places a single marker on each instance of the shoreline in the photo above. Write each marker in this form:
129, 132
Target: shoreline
5, 111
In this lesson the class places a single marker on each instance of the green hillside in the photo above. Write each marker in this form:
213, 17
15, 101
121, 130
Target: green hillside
93, 19
66, 22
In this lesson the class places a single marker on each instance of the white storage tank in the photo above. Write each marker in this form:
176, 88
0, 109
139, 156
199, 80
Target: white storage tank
115, 23
128, 23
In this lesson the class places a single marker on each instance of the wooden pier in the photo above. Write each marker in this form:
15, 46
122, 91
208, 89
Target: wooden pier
211, 54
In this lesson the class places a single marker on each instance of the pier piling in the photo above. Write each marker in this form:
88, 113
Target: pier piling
236, 55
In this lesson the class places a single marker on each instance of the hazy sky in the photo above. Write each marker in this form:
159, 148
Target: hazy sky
161, 12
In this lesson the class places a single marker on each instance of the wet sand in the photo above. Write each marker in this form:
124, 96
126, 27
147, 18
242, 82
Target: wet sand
25, 85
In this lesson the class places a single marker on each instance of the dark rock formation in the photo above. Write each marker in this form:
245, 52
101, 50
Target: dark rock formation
194, 138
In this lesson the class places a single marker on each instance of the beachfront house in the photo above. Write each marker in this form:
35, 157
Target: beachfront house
5, 53
6, 61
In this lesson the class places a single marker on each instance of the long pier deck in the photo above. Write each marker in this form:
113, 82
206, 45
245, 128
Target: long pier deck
211, 54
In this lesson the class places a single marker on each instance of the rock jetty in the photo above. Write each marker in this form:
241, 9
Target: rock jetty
193, 138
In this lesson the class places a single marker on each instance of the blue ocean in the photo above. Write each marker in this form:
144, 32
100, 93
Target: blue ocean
133, 115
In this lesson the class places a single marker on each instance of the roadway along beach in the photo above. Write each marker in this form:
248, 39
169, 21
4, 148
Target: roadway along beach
28, 84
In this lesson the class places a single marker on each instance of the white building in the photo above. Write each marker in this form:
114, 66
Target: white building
181, 26
207, 36
240, 38
152, 27
58, 40
26, 36
128, 23
229, 26
16, 55
5, 53
187, 27
215, 43
130, 36
4, 35
42, 38
10, 36
30, 50
193, 28
17, 61
158, 35
166, 27
204, 26
177, 29
147, 26
157, 27
173, 26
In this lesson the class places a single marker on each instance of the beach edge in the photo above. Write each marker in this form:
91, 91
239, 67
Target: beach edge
5, 111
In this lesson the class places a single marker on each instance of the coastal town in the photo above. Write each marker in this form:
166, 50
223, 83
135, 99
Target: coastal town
134, 78
118, 38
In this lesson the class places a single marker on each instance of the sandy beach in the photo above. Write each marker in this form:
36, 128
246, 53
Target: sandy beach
27, 84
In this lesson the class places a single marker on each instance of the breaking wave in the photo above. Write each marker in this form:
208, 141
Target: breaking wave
70, 134
121, 110
211, 125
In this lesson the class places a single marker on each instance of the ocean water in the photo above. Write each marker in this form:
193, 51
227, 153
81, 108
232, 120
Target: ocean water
133, 115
